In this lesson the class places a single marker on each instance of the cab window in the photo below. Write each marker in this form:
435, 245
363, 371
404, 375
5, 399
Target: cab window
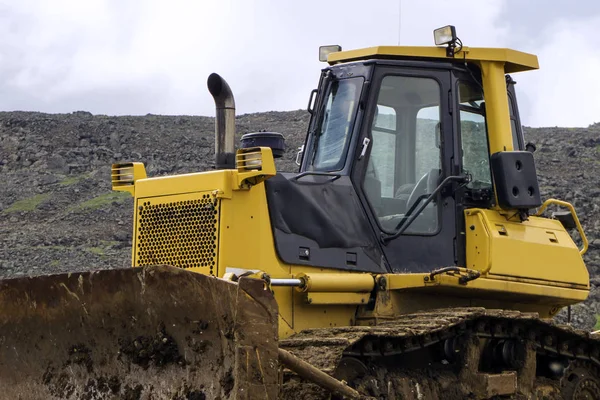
336, 124
404, 163
474, 138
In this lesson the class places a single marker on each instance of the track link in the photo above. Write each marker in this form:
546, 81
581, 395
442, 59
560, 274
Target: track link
459, 352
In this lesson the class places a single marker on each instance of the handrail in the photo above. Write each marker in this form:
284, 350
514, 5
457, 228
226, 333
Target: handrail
573, 214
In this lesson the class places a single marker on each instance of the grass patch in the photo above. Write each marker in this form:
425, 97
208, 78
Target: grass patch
109, 243
54, 263
72, 180
96, 250
28, 204
103, 200
597, 326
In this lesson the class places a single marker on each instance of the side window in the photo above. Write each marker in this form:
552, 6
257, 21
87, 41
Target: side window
513, 125
474, 141
405, 157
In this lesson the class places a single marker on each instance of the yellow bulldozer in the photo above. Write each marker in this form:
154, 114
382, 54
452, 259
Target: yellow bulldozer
410, 257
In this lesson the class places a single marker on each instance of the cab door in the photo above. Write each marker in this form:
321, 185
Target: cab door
405, 151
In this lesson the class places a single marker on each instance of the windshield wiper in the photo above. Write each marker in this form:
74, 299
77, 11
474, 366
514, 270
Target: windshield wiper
411, 215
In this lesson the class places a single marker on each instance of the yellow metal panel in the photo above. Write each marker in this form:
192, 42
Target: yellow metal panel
515, 61
545, 293
186, 183
539, 248
245, 221
337, 298
488, 287
497, 113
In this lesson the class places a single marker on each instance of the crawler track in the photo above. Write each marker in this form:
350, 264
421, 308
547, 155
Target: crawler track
453, 354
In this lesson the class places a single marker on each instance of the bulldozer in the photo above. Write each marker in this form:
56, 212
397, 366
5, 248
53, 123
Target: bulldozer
410, 256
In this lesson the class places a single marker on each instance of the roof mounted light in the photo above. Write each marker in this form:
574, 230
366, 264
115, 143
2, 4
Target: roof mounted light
447, 35
324, 51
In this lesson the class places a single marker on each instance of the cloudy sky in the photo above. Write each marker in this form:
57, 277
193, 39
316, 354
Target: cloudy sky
153, 56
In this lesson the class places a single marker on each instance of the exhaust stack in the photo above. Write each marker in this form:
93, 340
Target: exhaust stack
224, 122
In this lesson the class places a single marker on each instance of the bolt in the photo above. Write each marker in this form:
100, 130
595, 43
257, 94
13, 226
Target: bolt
382, 283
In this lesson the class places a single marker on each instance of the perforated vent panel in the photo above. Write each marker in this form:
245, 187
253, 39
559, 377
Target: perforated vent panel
181, 233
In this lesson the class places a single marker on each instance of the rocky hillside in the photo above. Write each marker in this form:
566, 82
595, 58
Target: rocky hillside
57, 211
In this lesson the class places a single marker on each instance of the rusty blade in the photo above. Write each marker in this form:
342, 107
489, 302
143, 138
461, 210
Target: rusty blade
136, 333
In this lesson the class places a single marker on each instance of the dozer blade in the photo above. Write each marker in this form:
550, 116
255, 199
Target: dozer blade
137, 333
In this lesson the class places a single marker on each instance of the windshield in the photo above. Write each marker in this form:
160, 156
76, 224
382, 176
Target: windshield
337, 120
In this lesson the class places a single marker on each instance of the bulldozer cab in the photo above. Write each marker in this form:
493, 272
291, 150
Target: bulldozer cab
394, 126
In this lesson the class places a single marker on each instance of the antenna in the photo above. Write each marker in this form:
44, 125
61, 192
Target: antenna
399, 20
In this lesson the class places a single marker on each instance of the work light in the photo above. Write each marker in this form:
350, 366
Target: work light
444, 35
447, 35
324, 51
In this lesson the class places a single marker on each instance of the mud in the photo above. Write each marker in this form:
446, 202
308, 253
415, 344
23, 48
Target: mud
101, 387
158, 350
133, 393
227, 382
59, 385
445, 354
101, 336
80, 355
190, 394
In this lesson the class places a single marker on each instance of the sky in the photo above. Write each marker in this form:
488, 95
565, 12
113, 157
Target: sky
134, 57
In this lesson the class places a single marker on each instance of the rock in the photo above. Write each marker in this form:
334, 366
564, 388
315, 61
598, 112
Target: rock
48, 179
57, 163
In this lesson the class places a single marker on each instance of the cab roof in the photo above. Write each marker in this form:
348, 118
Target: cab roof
514, 61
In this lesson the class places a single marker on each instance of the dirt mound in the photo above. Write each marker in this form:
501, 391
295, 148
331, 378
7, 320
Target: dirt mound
57, 211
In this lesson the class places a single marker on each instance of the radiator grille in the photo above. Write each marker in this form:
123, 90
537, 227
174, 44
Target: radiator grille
178, 233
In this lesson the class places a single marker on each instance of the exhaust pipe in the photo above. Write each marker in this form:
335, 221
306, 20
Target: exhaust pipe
224, 122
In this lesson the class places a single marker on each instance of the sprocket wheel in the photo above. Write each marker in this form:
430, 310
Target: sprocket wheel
348, 370
580, 381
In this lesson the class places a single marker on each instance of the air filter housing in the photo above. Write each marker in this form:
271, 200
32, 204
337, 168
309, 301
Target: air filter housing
273, 140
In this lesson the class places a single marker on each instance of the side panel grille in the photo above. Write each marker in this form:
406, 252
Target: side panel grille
181, 231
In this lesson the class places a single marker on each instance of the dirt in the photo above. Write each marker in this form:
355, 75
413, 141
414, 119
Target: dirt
158, 350
227, 382
133, 393
80, 355
58, 385
101, 387
191, 394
